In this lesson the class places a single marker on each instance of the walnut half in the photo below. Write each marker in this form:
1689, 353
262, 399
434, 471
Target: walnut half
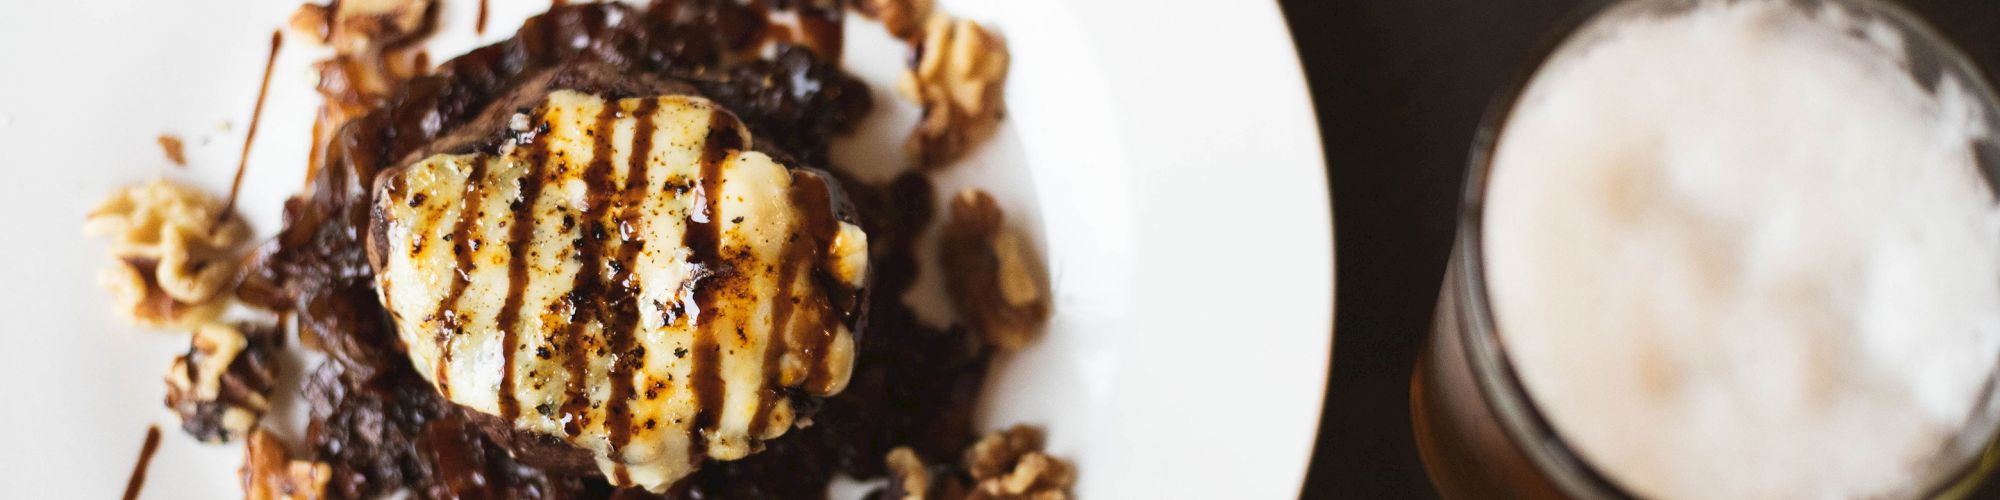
1010, 464
176, 253
957, 75
222, 386
994, 277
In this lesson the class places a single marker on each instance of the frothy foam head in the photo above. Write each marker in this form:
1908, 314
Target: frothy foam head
1739, 251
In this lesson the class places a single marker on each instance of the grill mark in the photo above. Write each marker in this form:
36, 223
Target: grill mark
446, 312
520, 235
703, 241
624, 289
583, 299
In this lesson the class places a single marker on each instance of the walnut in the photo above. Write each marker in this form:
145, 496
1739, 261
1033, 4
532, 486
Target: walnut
909, 478
177, 253
994, 277
222, 386
1007, 465
1010, 464
957, 76
269, 473
902, 18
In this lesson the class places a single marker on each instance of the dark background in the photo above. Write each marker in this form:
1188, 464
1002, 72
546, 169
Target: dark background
1399, 86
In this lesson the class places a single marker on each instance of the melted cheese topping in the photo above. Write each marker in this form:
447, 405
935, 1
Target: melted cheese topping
659, 307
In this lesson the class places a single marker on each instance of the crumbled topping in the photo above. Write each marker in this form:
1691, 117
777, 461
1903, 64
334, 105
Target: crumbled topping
1007, 465
994, 277
176, 253
269, 473
222, 386
957, 76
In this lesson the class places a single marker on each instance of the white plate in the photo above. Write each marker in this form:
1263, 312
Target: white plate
1164, 152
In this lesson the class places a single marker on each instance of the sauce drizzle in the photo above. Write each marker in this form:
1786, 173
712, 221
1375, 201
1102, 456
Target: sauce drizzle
583, 299
624, 288
479, 23
256, 115
138, 479
703, 241
520, 236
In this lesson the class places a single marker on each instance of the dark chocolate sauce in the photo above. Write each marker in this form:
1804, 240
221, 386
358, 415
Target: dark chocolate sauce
703, 240
620, 326
520, 239
816, 231
479, 23
813, 233
584, 301
256, 116
138, 479
471, 205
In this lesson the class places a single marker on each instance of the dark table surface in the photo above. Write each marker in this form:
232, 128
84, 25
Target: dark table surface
1399, 86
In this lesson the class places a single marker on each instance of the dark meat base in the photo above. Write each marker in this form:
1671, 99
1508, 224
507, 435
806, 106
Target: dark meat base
382, 428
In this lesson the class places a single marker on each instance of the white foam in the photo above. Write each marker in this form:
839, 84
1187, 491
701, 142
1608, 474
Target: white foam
1735, 252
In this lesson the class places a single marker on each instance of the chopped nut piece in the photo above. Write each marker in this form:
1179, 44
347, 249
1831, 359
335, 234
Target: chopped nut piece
994, 276
176, 252
957, 77
269, 473
902, 18
221, 387
1010, 464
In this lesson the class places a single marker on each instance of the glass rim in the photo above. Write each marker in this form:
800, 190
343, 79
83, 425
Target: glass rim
1507, 398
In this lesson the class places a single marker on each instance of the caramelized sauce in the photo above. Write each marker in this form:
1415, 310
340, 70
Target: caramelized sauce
138, 479
256, 116
520, 236
704, 243
479, 23
462, 246
813, 233
624, 321
584, 301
